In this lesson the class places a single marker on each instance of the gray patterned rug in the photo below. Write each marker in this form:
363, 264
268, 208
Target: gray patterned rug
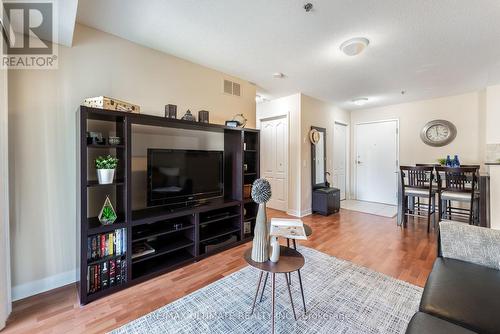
341, 297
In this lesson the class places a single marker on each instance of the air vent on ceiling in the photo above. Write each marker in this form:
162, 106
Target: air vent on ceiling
232, 88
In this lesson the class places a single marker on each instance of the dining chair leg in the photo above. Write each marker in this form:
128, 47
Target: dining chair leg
263, 287
257, 292
429, 215
291, 298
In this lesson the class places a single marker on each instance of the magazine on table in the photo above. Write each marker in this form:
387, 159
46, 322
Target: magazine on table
288, 228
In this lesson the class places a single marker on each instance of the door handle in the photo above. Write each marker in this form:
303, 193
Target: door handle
358, 162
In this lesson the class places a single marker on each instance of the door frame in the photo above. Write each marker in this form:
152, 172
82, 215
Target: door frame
355, 144
287, 157
347, 155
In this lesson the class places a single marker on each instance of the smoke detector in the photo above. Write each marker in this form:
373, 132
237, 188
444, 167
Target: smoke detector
354, 46
308, 7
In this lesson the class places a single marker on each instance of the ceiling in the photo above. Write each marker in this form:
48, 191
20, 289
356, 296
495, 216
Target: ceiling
428, 48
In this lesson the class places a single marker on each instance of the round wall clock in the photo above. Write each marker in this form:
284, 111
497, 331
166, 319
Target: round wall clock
438, 133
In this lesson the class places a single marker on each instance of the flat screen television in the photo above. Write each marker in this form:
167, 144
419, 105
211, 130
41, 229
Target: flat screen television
184, 176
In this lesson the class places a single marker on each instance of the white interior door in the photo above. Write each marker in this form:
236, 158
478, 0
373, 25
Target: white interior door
340, 158
377, 162
274, 160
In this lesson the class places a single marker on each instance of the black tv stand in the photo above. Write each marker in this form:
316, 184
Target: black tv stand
178, 235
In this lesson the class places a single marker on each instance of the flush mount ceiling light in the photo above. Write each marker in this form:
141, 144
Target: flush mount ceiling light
354, 46
278, 75
360, 101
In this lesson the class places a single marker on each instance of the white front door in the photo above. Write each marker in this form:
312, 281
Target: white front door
377, 161
340, 158
274, 160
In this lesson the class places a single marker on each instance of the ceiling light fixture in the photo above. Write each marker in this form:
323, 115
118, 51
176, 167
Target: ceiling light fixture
308, 7
360, 101
278, 75
354, 46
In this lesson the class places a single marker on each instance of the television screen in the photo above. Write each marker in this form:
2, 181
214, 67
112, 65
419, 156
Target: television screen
182, 176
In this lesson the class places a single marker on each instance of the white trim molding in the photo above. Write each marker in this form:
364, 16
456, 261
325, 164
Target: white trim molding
42, 285
299, 214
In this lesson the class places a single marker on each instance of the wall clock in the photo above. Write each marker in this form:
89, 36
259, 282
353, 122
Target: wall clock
438, 133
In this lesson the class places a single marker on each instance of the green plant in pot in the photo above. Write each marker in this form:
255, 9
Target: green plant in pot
106, 167
442, 161
107, 216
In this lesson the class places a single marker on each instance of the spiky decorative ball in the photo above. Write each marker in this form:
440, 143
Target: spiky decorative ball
261, 191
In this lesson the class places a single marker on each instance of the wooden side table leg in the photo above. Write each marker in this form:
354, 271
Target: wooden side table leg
263, 287
273, 283
257, 292
290, 294
302, 291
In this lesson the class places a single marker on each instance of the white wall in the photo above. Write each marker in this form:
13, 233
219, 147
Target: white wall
492, 114
321, 114
42, 109
288, 106
5, 305
303, 112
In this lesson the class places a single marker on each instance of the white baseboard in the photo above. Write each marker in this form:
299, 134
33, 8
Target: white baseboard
297, 213
45, 284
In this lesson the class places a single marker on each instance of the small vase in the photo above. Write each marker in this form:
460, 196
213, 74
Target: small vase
260, 246
275, 249
105, 176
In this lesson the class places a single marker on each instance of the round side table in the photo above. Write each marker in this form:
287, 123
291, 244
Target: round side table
308, 231
290, 261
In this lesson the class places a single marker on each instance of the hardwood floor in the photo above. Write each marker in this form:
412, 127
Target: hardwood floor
371, 241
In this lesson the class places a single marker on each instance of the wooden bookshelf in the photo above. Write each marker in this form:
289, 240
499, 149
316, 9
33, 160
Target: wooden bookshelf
179, 236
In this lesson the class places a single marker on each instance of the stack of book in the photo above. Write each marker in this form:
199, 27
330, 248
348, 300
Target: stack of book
106, 274
108, 244
107, 264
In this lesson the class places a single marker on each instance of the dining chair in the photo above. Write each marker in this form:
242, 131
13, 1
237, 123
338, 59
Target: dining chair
417, 182
457, 184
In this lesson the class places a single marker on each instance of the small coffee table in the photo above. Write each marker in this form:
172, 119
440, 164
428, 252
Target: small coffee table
290, 261
308, 231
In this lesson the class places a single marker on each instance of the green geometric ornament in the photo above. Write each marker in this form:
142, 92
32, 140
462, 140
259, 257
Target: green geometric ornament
107, 216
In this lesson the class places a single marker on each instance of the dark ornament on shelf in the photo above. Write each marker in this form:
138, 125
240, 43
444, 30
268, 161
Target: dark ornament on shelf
203, 116
171, 111
188, 116
95, 138
232, 124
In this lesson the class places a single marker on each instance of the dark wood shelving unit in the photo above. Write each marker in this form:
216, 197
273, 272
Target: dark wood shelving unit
202, 228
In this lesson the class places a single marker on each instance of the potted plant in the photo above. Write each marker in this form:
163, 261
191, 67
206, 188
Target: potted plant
106, 168
442, 161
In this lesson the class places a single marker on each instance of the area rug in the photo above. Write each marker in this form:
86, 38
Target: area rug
377, 209
341, 297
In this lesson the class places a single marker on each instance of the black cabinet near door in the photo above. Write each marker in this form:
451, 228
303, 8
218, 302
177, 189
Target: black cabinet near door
326, 201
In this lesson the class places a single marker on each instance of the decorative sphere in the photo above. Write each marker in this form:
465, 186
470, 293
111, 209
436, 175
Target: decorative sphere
261, 191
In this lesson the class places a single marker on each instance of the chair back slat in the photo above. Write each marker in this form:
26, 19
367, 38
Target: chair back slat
459, 179
417, 176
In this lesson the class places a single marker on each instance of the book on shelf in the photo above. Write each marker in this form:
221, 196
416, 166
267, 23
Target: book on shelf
106, 274
140, 249
288, 228
107, 244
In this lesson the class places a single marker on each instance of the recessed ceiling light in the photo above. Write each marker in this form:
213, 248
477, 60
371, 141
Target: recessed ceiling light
278, 75
354, 46
360, 101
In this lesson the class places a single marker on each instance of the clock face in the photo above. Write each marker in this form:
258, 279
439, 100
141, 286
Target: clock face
438, 133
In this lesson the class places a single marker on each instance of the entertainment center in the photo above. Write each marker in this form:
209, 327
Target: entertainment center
183, 223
